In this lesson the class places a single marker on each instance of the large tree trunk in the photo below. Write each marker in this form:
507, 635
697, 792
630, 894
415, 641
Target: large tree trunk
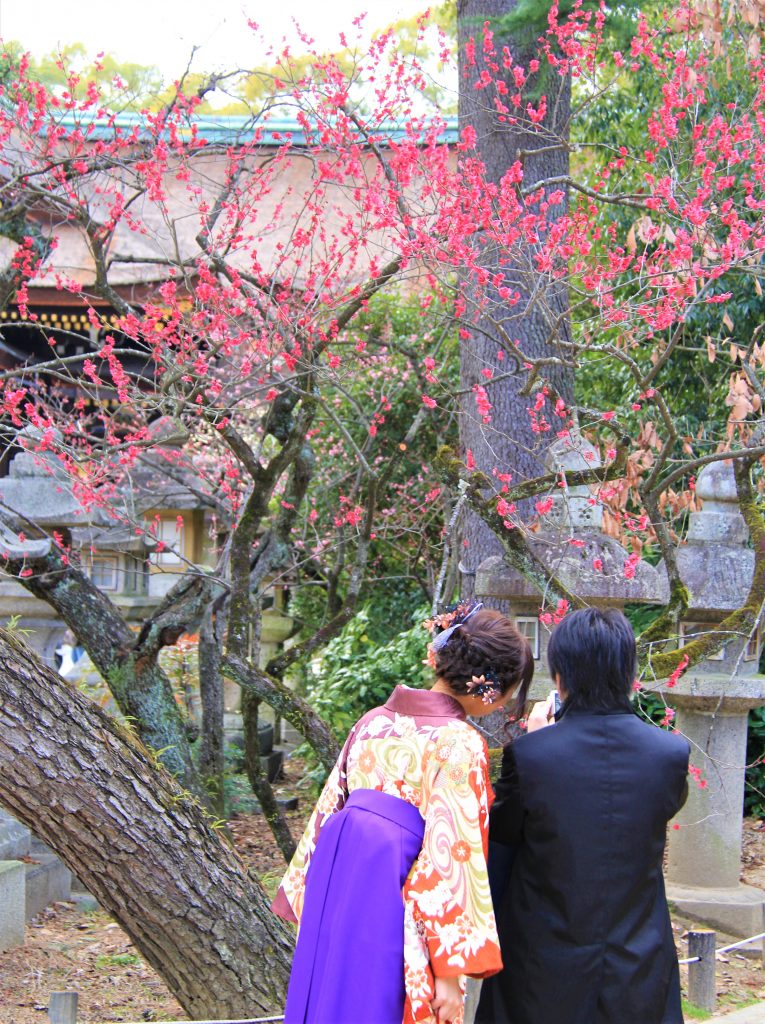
140, 844
540, 318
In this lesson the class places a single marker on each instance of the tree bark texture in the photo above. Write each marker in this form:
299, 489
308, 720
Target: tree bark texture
140, 844
539, 320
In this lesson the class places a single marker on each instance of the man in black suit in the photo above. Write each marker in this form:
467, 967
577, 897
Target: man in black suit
581, 813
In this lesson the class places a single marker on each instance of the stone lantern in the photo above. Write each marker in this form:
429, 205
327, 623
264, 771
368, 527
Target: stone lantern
713, 700
571, 545
276, 626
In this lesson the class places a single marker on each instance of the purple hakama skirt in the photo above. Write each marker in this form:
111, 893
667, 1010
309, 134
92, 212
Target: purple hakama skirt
349, 960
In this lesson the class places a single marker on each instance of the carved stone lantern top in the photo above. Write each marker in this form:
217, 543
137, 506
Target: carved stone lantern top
574, 507
37, 485
715, 564
571, 544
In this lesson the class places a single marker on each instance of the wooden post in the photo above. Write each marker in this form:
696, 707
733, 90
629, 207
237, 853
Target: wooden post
702, 990
472, 995
62, 1008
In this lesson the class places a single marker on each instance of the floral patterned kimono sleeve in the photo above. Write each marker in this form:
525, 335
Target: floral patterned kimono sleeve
447, 897
289, 899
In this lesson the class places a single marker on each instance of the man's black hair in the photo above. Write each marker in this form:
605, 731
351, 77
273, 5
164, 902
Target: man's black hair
593, 651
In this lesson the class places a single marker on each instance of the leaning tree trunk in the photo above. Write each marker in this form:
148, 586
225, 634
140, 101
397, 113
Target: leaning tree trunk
140, 844
540, 318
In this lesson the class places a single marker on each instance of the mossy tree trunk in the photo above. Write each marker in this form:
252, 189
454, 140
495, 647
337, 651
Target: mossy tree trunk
128, 663
259, 780
140, 844
211, 744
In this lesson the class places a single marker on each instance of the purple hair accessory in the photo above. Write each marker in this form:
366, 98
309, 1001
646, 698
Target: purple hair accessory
442, 639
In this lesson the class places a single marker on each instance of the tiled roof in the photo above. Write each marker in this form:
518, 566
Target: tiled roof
224, 128
171, 228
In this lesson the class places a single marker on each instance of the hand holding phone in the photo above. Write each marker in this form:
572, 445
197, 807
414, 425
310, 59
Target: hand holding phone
543, 713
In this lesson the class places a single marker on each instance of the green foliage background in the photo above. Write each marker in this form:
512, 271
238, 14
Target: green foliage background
754, 793
357, 673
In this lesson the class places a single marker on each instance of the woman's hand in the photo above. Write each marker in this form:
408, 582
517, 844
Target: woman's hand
447, 1004
542, 714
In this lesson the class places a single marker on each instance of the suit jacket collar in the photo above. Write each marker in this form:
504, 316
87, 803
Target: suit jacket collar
584, 712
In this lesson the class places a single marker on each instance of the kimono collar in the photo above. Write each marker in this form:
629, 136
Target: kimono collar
424, 704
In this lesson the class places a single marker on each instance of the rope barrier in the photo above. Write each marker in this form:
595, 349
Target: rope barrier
724, 949
247, 1020
744, 942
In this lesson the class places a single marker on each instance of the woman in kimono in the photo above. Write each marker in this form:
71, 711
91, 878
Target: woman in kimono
389, 881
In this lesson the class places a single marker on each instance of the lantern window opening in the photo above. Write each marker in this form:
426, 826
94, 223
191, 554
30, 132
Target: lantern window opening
528, 626
171, 535
103, 572
694, 630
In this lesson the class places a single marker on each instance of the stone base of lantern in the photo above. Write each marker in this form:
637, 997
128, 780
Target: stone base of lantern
233, 727
738, 911
704, 863
12, 918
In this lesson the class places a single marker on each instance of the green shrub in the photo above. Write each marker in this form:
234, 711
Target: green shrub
754, 792
356, 674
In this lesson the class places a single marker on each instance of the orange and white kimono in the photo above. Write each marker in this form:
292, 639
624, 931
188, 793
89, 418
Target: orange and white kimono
419, 748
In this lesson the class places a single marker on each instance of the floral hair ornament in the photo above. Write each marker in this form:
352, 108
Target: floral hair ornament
452, 620
488, 690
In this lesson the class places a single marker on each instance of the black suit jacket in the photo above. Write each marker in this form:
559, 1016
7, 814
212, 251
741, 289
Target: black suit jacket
583, 922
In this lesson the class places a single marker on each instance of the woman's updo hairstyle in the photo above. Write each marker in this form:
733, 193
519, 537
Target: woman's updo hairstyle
487, 644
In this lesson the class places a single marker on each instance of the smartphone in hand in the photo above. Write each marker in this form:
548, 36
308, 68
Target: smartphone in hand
556, 702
